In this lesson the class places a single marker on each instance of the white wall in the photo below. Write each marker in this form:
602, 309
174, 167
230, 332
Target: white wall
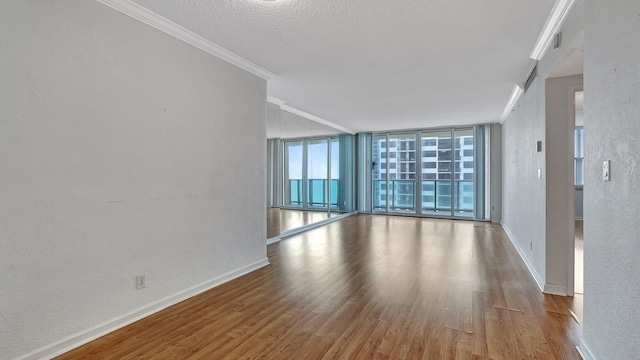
123, 151
273, 121
611, 212
524, 213
523, 194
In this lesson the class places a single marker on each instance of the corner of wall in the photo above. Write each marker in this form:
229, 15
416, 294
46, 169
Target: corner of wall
559, 290
64, 345
584, 351
532, 270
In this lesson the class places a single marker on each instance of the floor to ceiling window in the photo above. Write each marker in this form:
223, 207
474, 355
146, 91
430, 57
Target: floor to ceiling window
293, 164
433, 173
317, 175
394, 173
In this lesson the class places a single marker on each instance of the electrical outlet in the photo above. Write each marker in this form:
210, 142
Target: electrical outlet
141, 281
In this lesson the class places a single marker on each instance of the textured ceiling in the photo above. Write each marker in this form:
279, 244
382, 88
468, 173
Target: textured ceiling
377, 65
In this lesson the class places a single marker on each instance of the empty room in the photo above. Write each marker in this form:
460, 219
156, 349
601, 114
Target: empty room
304, 179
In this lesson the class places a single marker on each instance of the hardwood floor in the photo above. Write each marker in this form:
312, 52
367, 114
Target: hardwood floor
365, 287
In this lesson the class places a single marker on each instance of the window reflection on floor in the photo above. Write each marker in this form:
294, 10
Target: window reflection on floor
281, 220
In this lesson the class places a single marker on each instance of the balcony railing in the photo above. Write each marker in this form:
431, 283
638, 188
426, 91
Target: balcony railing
316, 192
402, 197
436, 195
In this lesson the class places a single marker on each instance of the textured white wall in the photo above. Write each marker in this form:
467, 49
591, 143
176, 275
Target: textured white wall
611, 211
123, 151
524, 195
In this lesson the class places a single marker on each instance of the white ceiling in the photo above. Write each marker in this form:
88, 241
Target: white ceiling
377, 65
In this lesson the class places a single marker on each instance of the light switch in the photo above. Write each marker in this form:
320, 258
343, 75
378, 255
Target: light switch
606, 170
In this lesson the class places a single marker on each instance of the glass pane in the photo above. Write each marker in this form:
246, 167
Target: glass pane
335, 171
317, 166
579, 176
464, 174
403, 194
579, 156
402, 175
379, 172
292, 173
436, 173
579, 143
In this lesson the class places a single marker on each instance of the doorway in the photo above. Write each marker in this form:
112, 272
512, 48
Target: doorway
578, 162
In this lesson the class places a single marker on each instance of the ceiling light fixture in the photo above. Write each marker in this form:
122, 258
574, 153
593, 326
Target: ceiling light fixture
557, 17
515, 95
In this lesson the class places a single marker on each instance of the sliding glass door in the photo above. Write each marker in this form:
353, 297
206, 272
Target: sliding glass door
311, 174
317, 173
463, 173
292, 179
436, 167
394, 173
436, 173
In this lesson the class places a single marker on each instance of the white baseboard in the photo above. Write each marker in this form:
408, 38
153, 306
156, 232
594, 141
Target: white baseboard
274, 239
62, 346
308, 227
532, 270
555, 290
584, 351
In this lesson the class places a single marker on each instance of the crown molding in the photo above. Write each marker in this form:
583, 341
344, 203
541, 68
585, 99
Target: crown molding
154, 20
559, 13
515, 95
275, 100
290, 109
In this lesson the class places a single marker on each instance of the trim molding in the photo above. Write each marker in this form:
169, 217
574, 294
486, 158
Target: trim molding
532, 270
302, 229
275, 100
555, 290
69, 343
156, 21
559, 13
584, 351
290, 109
273, 240
513, 99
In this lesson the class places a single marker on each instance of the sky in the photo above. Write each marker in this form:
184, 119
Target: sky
317, 167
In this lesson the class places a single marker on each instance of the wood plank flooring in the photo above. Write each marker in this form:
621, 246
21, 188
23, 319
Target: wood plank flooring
365, 287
